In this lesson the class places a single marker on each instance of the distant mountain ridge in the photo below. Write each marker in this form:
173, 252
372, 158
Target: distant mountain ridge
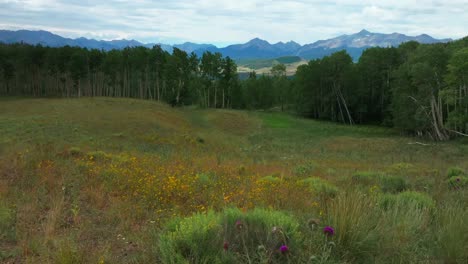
354, 44
46, 38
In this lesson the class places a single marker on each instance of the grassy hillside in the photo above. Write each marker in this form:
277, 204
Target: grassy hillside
263, 66
100, 180
264, 63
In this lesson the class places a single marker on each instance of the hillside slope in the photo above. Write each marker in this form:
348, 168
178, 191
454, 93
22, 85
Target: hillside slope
95, 180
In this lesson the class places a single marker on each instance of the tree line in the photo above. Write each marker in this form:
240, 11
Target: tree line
417, 88
178, 78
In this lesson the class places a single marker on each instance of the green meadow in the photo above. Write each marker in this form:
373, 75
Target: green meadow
104, 180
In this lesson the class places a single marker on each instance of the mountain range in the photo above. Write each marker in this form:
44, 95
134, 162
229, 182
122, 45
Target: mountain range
354, 44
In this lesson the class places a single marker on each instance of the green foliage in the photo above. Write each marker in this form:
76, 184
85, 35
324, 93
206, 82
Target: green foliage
334, 74
320, 187
270, 179
305, 169
455, 171
138, 72
204, 178
393, 184
278, 70
455, 94
407, 199
258, 92
419, 199
458, 182
197, 238
98, 155
289, 59
75, 151
270, 229
416, 106
229, 237
387, 200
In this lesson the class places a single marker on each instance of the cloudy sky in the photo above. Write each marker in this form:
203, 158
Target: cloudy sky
224, 22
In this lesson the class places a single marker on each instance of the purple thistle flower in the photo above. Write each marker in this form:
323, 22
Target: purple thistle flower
329, 231
239, 225
226, 245
284, 249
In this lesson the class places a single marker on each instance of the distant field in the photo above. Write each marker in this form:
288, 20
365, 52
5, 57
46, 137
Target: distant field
264, 63
263, 66
96, 180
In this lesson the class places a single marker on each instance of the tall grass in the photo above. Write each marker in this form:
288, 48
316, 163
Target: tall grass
356, 223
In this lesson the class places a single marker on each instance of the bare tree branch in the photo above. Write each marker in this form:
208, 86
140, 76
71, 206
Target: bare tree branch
419, 143
456, 132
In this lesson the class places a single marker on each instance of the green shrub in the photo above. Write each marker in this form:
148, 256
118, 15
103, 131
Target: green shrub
458, 182
263, 228
197, 238
205, 179
419, 199
270, 179
305, 169
320, 187
407, 199
455, 171
74, 151
229, 237
387, 201
393, 184
98, 155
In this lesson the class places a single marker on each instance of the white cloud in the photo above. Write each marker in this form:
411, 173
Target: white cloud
234, 21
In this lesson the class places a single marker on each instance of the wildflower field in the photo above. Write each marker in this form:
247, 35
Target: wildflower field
101, 180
